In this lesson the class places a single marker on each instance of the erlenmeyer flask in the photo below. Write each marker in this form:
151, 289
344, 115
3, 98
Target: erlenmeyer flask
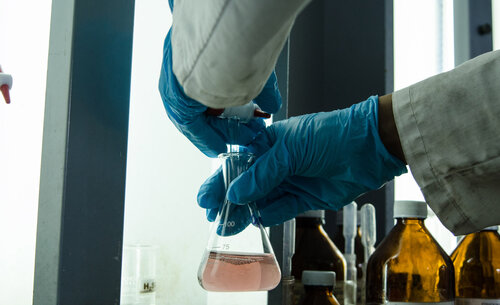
239, 256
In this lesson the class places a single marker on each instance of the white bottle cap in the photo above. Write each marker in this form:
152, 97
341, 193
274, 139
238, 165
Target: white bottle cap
313, 214
410, 209
6, 79
318, 278
492, 228
243, 113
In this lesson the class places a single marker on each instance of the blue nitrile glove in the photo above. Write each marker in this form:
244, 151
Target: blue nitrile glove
209, 133
311, 162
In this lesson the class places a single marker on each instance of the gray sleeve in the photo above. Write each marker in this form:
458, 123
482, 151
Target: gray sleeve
449, 126
223, 51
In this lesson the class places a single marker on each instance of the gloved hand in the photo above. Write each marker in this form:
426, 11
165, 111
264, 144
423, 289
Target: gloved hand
316, 161
209, 133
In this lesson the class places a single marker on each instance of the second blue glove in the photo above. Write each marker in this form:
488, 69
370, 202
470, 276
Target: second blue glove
316, 161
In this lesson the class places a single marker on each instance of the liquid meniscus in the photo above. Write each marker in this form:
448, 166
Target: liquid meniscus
225, 271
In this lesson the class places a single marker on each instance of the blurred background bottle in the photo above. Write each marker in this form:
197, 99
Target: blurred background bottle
409, 266
314, 250
319, 286
477, 268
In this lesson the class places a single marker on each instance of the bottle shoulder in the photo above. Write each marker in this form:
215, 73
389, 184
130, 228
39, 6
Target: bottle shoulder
477, 266
314, 250
480, 247
410, 245
311, 239
409, 266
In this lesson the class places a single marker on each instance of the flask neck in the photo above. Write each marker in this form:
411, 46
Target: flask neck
410, 221
412, 226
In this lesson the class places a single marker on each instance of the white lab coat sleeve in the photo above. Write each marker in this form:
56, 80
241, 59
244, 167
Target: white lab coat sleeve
449, 126
223, 51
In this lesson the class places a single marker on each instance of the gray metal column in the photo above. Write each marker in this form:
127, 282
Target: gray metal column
473, 29
341, 52
82, 184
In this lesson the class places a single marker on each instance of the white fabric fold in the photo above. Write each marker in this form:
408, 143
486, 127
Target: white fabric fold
224, 51
449, 126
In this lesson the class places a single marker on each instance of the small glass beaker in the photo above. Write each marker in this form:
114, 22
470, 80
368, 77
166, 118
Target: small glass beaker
138, 285
239, 256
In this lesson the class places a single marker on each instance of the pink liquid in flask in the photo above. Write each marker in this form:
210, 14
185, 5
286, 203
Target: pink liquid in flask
225, 271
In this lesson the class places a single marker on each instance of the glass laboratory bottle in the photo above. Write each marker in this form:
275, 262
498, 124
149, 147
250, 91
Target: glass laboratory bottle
314, 250
339, 241
409, 266
477, 268
319, 287
239, 256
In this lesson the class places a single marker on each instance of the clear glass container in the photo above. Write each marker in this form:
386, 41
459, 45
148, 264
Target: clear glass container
239, 256
138, 285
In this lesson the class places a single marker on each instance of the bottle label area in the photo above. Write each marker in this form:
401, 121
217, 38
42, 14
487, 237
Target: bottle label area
467, 301
138, 291
147, 286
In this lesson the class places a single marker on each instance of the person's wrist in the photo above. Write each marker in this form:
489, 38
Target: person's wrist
387, 129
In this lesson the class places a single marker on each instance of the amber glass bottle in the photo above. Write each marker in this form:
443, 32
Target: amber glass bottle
477, 268
319, 287
409, 266
314, 250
